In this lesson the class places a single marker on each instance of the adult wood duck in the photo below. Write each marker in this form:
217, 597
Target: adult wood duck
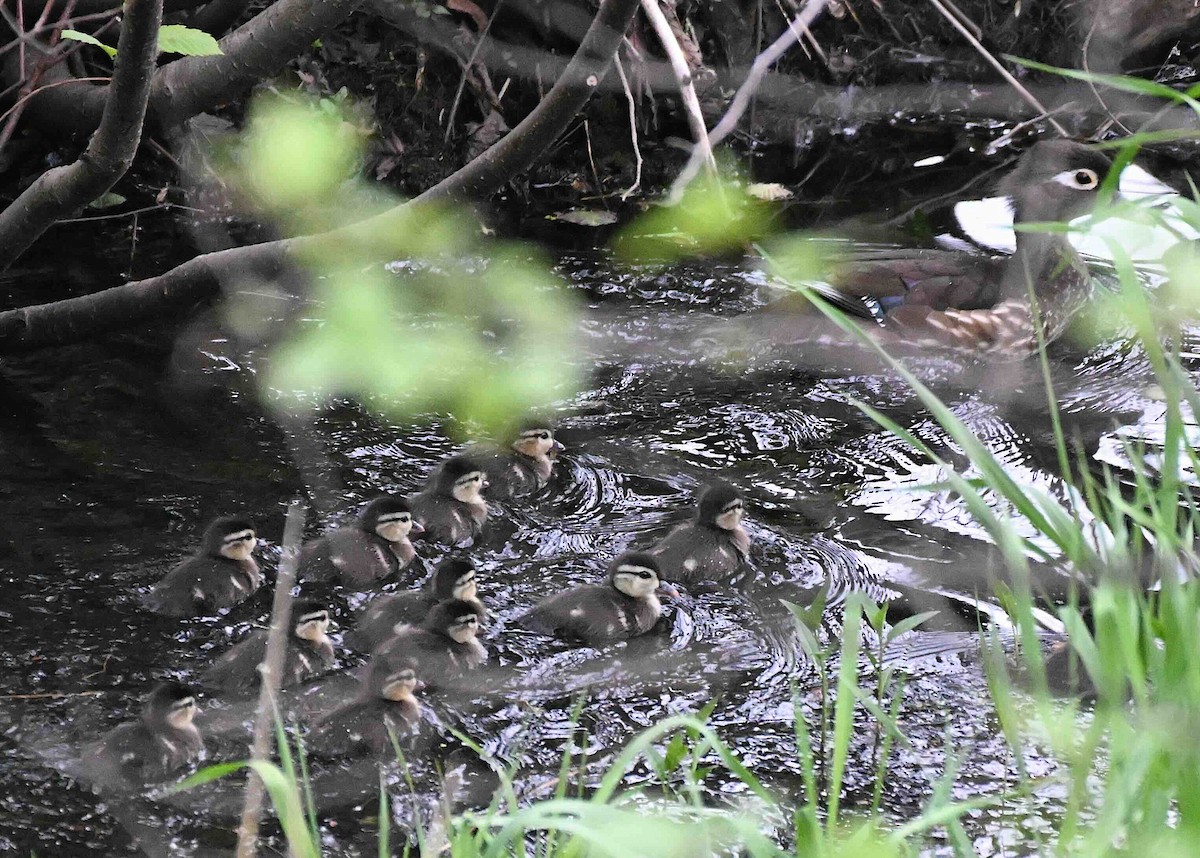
626, 607
385, 707
445, 643
981, 304
162, 741
218, 576
454, 578
309, 652
374, 548
451, 508
711, 548
528, 466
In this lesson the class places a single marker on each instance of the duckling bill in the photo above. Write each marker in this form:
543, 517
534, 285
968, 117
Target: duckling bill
160, 743
376, 547
713, 547
454, 578
451, 508
218, 576
626, 607
309, 653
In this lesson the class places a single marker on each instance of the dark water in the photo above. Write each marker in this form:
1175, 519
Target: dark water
116, 456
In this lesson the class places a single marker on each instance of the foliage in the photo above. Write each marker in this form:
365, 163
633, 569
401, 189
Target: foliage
172, 39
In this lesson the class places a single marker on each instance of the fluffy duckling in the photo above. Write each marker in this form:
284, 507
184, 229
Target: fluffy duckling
218, 576
309, 652
162, 741
713, 546
385, 706
625, 608
372, 549
453, 579
444, 644
452, 508
528, 467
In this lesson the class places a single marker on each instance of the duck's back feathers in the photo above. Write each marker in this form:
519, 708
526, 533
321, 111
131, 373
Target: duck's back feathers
693, 553
364, 726
204, 584
238, 669
447, 520
379, 621
353, 557
593, 614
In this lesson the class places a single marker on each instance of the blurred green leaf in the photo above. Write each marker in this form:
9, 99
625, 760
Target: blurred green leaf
178, 39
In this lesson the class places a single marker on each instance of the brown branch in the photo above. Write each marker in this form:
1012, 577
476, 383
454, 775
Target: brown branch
59, 192
199, 279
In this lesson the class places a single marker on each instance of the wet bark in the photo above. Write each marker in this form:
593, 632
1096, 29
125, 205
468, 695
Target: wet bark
200, 279
60, 191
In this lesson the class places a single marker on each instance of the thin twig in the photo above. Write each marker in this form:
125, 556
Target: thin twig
741, 99
462, 80
633, 132
272, 673
998, 66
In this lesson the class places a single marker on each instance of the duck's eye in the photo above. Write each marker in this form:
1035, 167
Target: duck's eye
1086, 179
1083, 179
645, 575
545, 436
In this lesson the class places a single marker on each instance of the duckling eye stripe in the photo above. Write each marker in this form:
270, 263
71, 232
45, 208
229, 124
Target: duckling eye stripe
238, 537
731, 507
314, 618
393, 516
184, 703
465, 580
635, 570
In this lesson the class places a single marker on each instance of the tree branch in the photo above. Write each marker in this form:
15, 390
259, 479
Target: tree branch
60, 191
181, 288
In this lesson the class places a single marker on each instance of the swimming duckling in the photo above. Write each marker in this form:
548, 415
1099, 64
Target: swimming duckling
626, 607
309, 652
453, 579
375, 547
712, 547
385, 706
528, 467
444, 644
218, 576
152, 748
451, 508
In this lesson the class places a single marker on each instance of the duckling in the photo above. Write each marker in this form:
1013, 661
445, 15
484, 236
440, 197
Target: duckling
451, 508
528, 467
454, 578
309, 652
385, 706
625, 608
218, 576
444, 644
712, 547
375, 547
162, 741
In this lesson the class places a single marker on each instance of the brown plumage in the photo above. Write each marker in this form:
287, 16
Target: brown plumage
454, 578
384, 708
451, 508
444, 645
371, 550
309, 653
712, 548
218, 576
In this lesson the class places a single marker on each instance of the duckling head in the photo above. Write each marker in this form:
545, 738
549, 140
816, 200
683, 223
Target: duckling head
393, 679
636, 574
1055, 181
171, 703
390, 518
721, 506
231, 537
455, 579
536, 440
310, 620
463, 479
456, 619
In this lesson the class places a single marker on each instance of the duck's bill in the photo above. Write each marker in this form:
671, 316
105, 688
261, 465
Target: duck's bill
557, 447
665, 589
417, 527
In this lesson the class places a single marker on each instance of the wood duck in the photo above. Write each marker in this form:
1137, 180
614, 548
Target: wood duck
162, 741
528, 467
981, 304
444, 644
454, 578
218, 576
385, 707
374, 548
452, 508
309, 653
625, 608
711, 548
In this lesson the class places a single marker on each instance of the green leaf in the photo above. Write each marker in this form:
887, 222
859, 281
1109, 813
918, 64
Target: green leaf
909, 624
676, 751
178, 39
106, 201
88, 39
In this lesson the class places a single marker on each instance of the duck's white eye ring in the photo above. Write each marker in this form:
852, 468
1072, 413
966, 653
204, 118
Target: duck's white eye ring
1082, 179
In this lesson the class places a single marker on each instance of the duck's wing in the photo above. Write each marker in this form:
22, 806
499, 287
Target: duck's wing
591, 614
378, 622
238, 668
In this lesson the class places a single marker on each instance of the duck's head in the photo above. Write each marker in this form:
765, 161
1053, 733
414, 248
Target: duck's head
231, 537
462, 478
390, 518
636, 574
456, 619
455, 579
1055, 181
721, 506
171, 703
310, 620
535, 439
393, 678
